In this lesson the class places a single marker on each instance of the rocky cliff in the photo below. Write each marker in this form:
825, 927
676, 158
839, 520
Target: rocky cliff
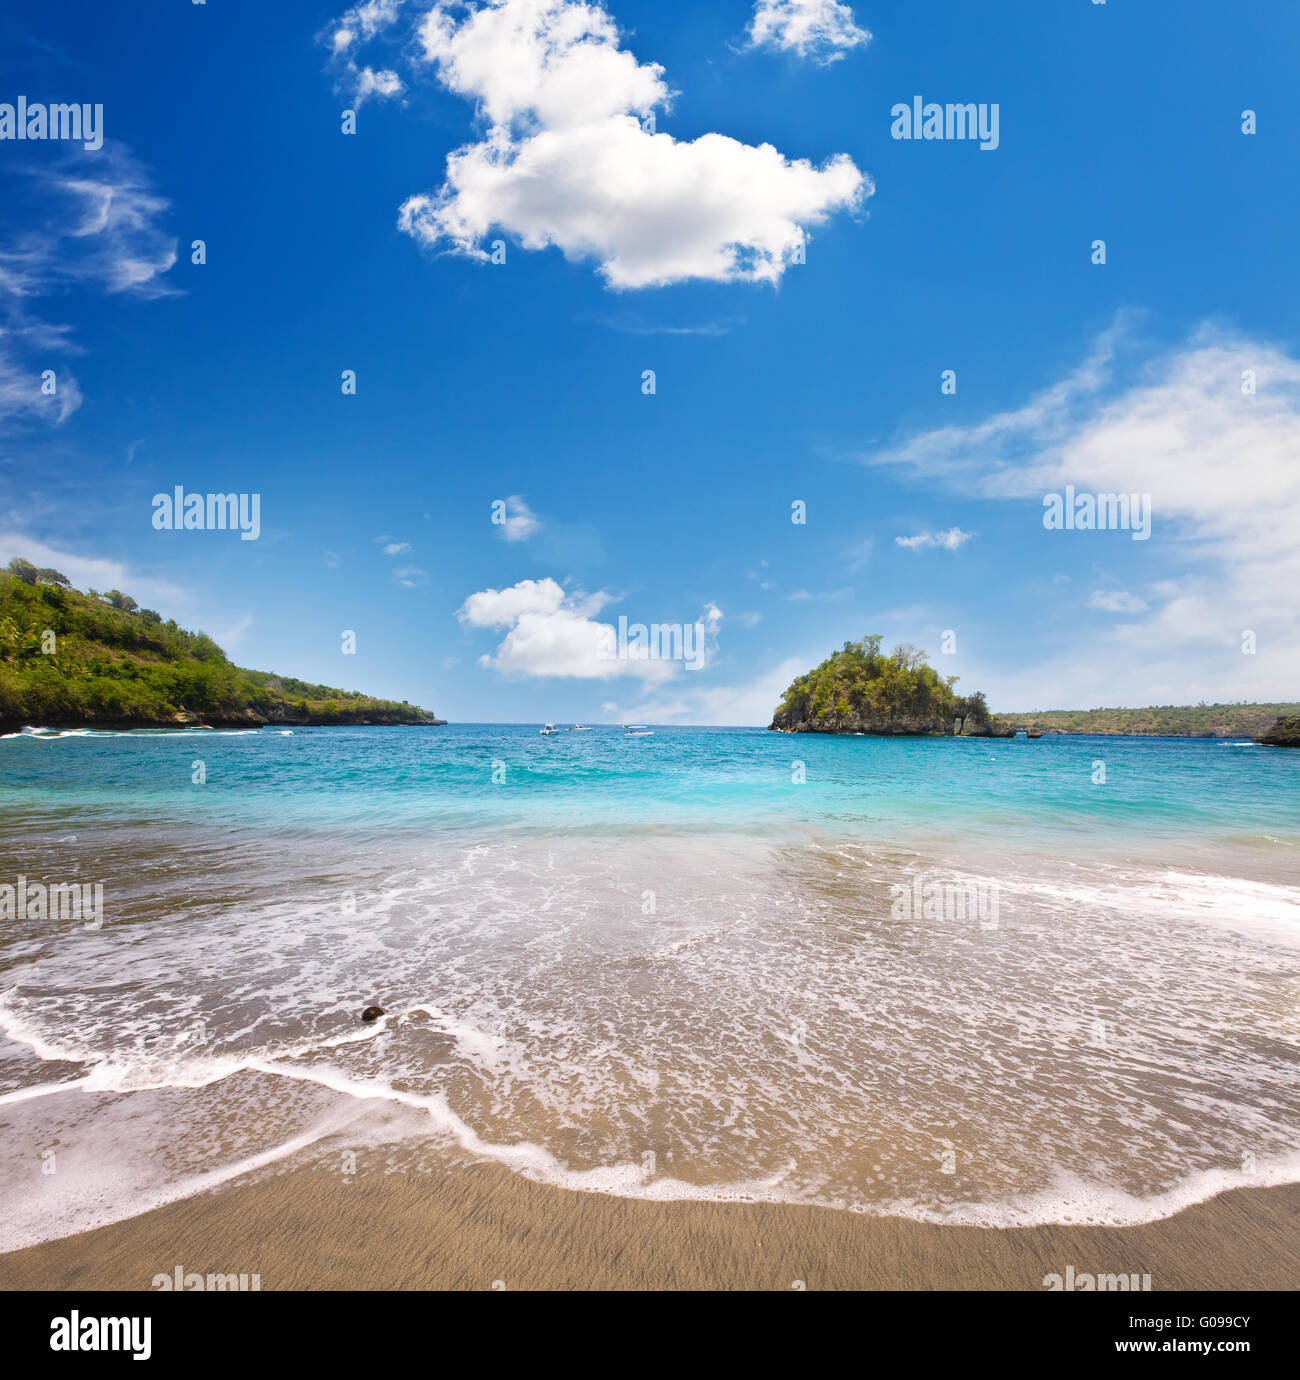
1284, 733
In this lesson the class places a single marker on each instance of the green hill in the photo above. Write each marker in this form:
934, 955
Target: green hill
861, 690
68, 658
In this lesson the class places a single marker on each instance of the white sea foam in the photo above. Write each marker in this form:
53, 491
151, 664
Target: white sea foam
767, 1032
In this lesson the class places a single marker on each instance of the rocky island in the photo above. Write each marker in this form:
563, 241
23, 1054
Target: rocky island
859, 689
80, 660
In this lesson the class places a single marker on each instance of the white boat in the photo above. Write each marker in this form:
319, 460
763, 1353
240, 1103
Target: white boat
581, 728
639, 731
548, 730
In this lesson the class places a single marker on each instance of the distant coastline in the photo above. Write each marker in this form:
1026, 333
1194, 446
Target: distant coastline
1159, 721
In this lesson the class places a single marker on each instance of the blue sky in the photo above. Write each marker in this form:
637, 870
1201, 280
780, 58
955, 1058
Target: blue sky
675, 251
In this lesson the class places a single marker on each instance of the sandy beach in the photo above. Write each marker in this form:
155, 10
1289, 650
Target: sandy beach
481, 1227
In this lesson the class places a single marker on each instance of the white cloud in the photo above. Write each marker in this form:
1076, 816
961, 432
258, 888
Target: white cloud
370, 82
395, 548
364, 21
823, 30
91, 572
566, 160
411, 576
554, 633
1116, 601
1220, 467
499, 608
359, 25
951, 540
521, 522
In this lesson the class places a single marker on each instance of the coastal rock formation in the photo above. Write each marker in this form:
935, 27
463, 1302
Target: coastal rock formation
886, 723
373, 1013
1284, 733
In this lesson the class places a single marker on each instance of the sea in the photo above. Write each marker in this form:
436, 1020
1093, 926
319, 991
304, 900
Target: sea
993, 981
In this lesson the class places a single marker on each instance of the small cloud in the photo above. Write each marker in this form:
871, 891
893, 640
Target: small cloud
822, 30
369, 83
951, 540
331, 559
521, 522
749, 620
396, 548
411, 576
1116, 601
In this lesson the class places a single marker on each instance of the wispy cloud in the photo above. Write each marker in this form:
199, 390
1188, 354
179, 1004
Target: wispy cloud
1116, 601
630, 324
1210, 430
951, 540
89, 222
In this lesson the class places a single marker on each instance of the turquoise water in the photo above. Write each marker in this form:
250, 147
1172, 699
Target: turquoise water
961, 980
1178, 791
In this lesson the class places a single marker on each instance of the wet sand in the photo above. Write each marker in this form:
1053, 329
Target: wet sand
482, 1227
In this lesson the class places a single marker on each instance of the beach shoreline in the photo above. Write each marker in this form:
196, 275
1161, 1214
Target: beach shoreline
482, 1227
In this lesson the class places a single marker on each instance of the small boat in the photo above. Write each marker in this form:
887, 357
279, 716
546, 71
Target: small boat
639, 731
581, 728
548, 729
